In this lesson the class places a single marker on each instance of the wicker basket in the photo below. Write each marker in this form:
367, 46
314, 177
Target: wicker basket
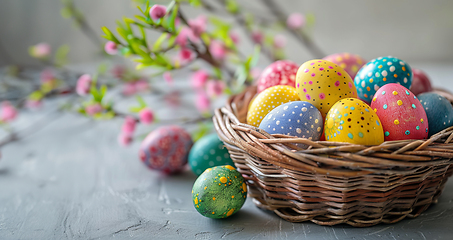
331, 183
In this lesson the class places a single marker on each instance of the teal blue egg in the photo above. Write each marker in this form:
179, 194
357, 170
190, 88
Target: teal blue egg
380, 71
208, 152
438, 110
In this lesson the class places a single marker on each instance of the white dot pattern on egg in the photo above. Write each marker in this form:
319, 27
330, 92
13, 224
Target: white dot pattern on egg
300, 119
379, 72
268, 100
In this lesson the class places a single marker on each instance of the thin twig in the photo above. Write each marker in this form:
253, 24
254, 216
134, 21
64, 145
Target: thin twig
275, 9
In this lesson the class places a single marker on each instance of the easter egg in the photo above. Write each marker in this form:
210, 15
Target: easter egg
323, 83
281, 72
401, 114
268, 100
208, 152
380, 71
438, 110
352, 120
219, 192
420, 82
166, 149
351, 63
300, 119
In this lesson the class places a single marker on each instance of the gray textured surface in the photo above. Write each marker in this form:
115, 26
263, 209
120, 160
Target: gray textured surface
72, 180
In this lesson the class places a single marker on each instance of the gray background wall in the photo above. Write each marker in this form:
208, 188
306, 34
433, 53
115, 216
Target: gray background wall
414, 30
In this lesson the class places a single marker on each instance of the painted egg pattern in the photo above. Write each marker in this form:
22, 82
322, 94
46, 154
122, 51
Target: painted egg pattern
351, 63
378, 72
268, 100
281, 72
219, 192
208, 152
438, 110
352, 120
300, 119
401, 114
323, 83
166, 149
420, 82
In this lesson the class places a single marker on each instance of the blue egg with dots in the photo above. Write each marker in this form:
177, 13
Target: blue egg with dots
299, 118
380, 71
438, 110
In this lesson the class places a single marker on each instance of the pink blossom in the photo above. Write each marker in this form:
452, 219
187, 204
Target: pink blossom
93, 109
215, 88
198, 25
41, 50
217, 50
168, 78
141, 85
199, 79
146, 116
279, 41
234, 37
128, 125
185, 56
184, 34
129, 89
157, 12
83, 84
257, 37
9, 113
118, 71
295, 20
47, 76
124, 139
33, 104
255, 72
202, 102
111, 48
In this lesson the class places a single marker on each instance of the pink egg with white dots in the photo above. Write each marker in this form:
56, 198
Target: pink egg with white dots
351, 63
281, 72
401, 114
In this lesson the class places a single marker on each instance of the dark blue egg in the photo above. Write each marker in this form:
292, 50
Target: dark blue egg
380, 71
438, 110
298, 118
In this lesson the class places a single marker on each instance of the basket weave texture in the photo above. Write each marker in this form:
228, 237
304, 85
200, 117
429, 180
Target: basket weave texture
330, 182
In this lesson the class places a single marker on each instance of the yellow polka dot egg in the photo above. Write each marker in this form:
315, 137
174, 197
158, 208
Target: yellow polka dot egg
269, 99
352, 120
323, 83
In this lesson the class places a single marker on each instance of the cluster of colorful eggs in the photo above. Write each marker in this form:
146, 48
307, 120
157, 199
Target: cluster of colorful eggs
220, 190
342, 98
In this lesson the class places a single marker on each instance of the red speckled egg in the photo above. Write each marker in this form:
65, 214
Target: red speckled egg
166, 149
351, 63
278, 73
400, 112
420, 82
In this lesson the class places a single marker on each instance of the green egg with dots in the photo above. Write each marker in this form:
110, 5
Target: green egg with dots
219, 192
208, 152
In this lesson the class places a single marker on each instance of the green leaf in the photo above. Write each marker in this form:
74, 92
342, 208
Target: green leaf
241, 74
95, 93
218, 73
135, 109
109, 35
66, 12
159, 42
310, 18
36, 95
195, 3
172, 19
203, 130
61, 56
140, 101
103, 91
232, 6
